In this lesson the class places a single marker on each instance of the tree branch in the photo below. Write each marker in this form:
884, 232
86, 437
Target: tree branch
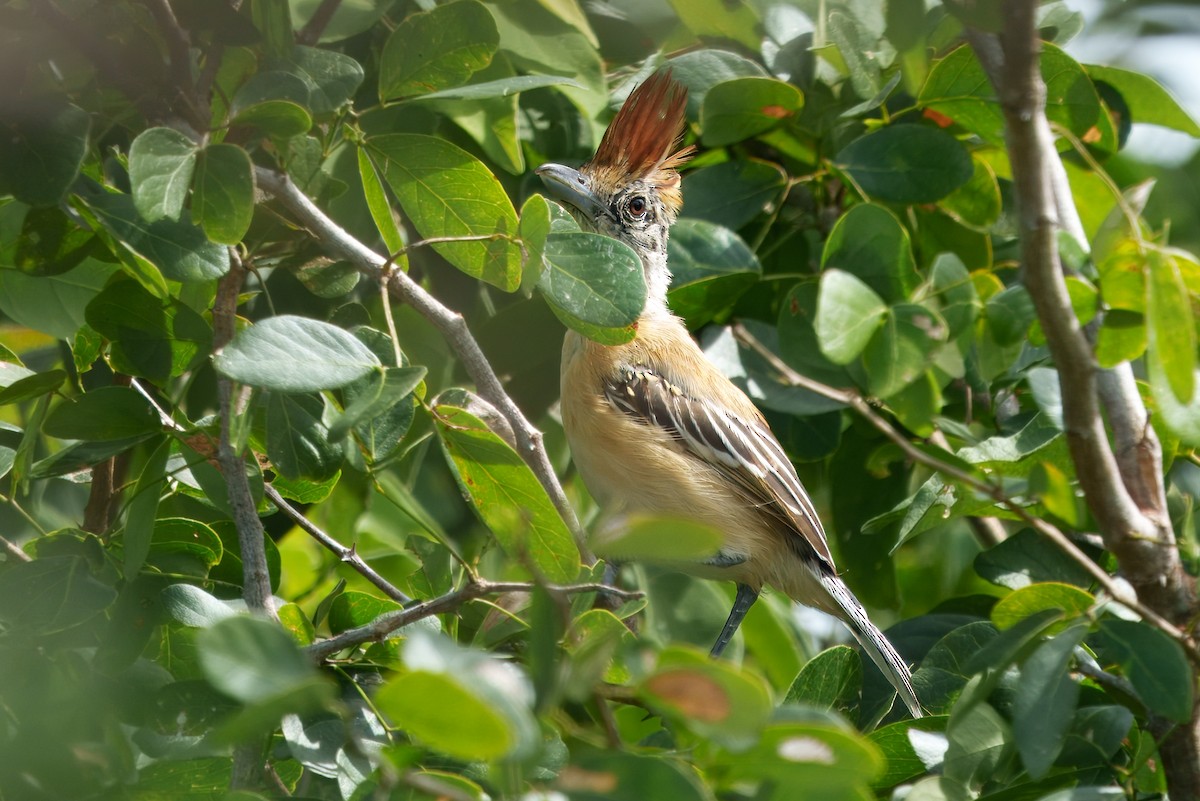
348, 555
859, 404
256, 580
379, 628
1143, 543
449, 323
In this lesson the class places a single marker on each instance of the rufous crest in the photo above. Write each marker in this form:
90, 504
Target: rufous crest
642, 140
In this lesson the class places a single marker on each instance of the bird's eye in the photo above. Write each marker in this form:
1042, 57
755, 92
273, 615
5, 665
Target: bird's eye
637, 207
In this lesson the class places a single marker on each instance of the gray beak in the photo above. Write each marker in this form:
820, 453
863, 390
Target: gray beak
569, 186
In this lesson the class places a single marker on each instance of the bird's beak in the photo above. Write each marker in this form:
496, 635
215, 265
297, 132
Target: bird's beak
570, 186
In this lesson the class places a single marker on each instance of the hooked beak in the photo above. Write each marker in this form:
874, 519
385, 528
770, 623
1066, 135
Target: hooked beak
569, 185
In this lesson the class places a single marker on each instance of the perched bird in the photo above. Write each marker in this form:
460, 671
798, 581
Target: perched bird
654, 427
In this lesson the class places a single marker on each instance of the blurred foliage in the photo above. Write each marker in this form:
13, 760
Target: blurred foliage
851, 206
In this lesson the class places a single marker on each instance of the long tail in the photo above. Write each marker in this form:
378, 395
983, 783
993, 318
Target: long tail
872, 640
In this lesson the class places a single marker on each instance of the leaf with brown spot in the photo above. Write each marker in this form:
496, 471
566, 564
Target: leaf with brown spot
692, 694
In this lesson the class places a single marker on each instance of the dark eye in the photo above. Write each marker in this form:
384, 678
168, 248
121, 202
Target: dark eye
637, 206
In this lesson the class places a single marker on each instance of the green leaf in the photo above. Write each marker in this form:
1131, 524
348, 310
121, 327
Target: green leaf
282, 119
463, 703
1154, 663
103, 413
594, 284
330, 77
979, 741
53, 304
951, 287
143, 509
658, 539
1148, 101
830, 680
723, 19
1046, 700
710, 269
161, 161
447, 192
42, 145
178, 248
51, 594
731, 193
353, 609
534, 229
958, 88
150, 337
1020, 604
624, 776
976, 203
192, 606
902, 348
381, 211
437, 49
275, 101
350, 19
181, 546
741, 108
899, 743
329, 280
298, 443
1171, 333
295, 354
907, 163
701, 70
871, 244
499, 88
848, 314
820, 756
29, 385
1010, 313
82, 455
250, 659
382, 392
1027, 557
223, 199
507, 496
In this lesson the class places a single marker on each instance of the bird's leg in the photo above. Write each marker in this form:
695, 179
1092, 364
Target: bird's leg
741, 605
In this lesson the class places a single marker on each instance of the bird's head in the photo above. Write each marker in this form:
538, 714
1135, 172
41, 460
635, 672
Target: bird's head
630, 188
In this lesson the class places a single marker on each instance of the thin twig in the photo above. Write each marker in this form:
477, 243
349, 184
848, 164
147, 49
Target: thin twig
348, 555
449, 323
859, 404
379, 628
14, 551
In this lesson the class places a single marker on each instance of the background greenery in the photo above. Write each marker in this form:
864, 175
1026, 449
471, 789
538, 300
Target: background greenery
849, 219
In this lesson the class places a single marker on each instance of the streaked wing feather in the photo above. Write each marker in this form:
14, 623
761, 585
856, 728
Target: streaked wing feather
745, 450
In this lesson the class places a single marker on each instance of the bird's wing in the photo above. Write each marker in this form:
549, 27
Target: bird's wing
745, 450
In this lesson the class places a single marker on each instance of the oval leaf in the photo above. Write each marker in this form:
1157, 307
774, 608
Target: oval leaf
741, 108
437, 49
161, 162
447, 192
103, 414
594, 284
223, 203
507, 496
907, 163
848, 313
295, 354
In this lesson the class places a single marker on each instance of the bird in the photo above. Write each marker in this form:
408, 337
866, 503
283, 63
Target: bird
654, 427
